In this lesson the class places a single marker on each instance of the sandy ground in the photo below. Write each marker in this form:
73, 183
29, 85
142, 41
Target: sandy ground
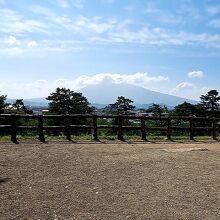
115, 180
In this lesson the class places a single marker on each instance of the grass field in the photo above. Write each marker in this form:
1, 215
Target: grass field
87, 137
110, 180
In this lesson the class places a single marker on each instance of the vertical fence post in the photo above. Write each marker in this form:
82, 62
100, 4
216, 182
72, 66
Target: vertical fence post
120, 133
67, 123
95, 132
191, 124
41, 128
143, 129
168, 128
214, 129
13, 128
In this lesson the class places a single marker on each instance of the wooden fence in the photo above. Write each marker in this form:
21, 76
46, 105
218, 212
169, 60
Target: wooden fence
11, 128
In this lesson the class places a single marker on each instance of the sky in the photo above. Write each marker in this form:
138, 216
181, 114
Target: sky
167, 46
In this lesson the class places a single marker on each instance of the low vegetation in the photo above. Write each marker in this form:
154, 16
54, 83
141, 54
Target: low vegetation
66, 102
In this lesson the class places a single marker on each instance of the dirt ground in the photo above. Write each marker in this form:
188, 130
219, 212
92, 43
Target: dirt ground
114, 180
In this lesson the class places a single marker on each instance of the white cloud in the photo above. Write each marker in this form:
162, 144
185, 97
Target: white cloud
195, 74
88, 30
12, 51
13, 47
94, 24
160, 37
14, 23
25, 90
188, 90
182, 86
185, 13
138, 79
43, 88
32, 44
12, 40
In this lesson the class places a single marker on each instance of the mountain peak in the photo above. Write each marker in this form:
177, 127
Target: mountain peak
107, 92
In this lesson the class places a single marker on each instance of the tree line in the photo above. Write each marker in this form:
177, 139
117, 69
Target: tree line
66, 101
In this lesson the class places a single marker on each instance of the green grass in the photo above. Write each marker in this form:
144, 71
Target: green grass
104, 137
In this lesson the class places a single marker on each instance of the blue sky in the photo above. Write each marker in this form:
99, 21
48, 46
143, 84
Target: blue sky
164, 45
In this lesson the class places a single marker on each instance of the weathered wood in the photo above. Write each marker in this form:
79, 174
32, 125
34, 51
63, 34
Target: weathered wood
143, 130
54, 128
169, 128
214, 129
120, 132
41, 128
202, 128
180, 128
5, 127
27, 128
95, 129
68, 131
81, 126
131, 128
106, 126
191, 124
26, 116
67, 126
13, 128
156, 129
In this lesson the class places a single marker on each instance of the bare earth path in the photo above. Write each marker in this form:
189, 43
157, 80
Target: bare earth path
63, 180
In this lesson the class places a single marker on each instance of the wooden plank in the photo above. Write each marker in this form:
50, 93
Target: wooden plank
131, 128
13, 129
27, 128
214, 136
106, 126
180, 128
81, 126
156, 129
68, 128
95, 128
203, 128
143, 129
168, 128
40, 128
120, 132
191, 124
5, 126
54, 128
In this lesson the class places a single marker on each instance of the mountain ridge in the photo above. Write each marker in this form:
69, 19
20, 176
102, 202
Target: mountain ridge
107, 92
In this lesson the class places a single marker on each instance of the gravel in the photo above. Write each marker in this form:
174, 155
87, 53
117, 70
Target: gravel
111, 180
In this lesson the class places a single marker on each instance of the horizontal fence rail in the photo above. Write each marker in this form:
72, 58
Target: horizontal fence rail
8, 125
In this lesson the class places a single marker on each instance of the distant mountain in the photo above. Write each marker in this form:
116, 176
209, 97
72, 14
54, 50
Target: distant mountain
107, 92
35, 102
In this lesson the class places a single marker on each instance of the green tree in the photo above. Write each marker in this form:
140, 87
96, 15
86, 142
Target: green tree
122, 106
65, 101
2, 103
185, 109
157, 109
18, 104
210, 102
